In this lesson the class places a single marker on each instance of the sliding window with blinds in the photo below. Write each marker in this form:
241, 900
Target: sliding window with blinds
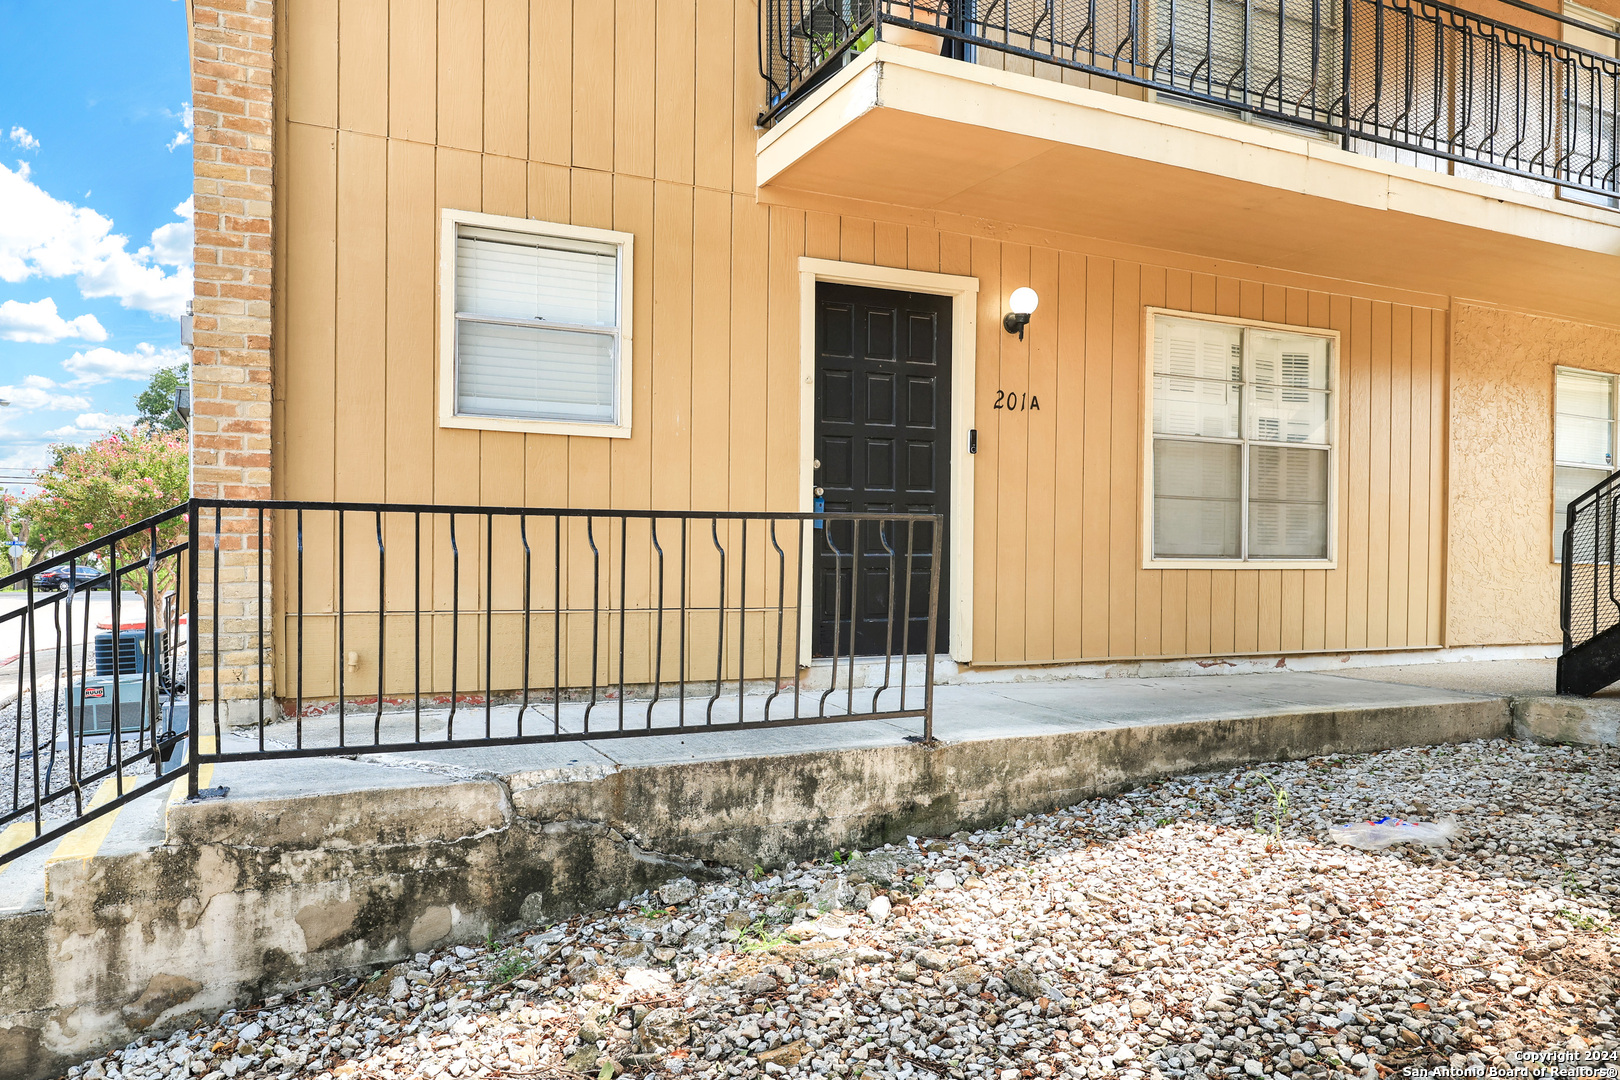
1241, 441
535, 326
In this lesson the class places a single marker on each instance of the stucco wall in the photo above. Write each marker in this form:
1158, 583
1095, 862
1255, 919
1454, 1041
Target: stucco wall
1502, 582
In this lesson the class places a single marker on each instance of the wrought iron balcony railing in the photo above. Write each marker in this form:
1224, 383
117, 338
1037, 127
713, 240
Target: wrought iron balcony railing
1422, 82
401, 628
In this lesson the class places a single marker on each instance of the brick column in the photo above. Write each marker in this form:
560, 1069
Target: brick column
233, 187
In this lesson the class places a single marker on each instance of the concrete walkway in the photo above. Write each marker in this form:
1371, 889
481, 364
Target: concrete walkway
1515, 678
964, 714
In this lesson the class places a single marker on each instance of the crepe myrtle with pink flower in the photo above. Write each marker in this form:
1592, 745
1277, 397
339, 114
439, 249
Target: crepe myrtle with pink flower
91, 491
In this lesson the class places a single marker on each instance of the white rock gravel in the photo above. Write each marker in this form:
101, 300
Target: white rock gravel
1158, 934
55, 773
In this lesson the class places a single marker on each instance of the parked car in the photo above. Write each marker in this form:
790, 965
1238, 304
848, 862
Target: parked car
62, 577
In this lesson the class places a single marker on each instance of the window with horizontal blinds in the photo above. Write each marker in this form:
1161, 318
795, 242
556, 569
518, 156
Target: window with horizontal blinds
1241, 442
537, 325
1583, 440
1591, 134
1282, 53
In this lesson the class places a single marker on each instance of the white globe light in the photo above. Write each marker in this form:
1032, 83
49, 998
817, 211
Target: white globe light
1023, 301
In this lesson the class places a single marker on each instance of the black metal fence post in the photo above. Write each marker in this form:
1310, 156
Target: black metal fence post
193, 653
936, 531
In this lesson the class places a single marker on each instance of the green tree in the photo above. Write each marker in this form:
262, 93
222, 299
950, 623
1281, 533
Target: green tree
156, 402
90, 491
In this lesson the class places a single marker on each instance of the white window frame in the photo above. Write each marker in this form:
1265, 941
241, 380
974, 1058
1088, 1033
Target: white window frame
1335, 396
1613, 380
449, 225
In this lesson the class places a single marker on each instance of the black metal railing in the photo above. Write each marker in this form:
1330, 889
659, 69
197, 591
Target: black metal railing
98, 710
1438, 82
1589, 601
320, 629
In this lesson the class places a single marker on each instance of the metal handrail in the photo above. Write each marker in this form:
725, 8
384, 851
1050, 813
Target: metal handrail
92, 548
1421, 76
1589, 594
76, 771
725, 631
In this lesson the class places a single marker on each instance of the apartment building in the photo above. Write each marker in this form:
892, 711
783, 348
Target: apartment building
1209, 329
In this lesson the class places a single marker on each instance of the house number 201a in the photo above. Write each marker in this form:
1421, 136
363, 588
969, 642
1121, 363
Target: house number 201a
1013, 400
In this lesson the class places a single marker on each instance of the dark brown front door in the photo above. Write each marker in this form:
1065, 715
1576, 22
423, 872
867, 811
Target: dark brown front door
883, 421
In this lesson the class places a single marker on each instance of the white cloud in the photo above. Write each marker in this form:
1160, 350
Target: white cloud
171, 243
98, 365
26, 456
39, 322
183, 136
42, 236
89, 426
23, 138
38, 392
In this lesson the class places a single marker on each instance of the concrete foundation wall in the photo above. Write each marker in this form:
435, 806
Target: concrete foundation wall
1571, 720
252, 897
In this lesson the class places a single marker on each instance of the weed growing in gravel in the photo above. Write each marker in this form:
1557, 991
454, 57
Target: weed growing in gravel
761, 936
1279, 814
510, 963
648, 912
1584, 921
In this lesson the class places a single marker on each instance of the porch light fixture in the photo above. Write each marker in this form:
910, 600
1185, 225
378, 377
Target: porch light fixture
1022, 303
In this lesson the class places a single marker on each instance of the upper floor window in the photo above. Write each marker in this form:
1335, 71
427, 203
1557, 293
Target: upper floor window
1241, 441
1268, 54
1589, 104
1583, 440
535, 331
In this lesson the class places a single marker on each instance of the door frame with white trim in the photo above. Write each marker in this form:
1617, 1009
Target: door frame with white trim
964, 293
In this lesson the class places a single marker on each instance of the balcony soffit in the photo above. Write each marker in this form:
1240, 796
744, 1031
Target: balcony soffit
930, 133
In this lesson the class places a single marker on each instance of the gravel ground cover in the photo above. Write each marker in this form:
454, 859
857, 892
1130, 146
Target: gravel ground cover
55, 776
1199, 928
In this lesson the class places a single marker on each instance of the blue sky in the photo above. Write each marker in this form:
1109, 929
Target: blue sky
95, 229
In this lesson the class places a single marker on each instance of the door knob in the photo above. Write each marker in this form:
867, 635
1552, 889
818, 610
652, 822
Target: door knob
816, 464
819, 492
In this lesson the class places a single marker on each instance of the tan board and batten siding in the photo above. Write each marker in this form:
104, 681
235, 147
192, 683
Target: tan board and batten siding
638, 115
